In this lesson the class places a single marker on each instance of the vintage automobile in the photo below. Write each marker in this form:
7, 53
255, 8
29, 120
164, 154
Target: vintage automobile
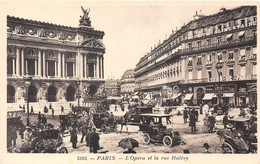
50, 141
157, 133
135, 119
230, 139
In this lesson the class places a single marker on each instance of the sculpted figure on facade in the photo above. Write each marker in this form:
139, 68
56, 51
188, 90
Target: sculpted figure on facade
85, 20
20, 29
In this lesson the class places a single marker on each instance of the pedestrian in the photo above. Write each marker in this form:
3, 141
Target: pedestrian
84, 132
52, 112
89, 131
185, 115
192, 123
206, 148
39, 117
32, 112
225, 120
115, 108
201, 108
50, 106
196, 112
23, 108
13, 136
44, 120
62, 109
205, 128
212, 122
74, 137
205, 109
94, 141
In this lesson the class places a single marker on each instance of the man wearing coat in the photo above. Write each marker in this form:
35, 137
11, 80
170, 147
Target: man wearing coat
193, 121
94, 141
74, 137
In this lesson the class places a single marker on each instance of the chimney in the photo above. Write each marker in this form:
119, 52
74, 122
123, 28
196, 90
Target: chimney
222, 10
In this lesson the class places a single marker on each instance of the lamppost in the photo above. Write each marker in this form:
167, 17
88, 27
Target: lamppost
27, 80
78, 96
219, 93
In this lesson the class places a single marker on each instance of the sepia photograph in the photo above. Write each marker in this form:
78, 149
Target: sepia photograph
86, 77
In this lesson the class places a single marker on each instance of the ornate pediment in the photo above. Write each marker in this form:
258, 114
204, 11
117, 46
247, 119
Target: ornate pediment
92, 43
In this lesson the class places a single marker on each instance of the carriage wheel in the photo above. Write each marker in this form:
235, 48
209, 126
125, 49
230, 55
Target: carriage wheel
63, 150
224, 148
146, 138
167, 141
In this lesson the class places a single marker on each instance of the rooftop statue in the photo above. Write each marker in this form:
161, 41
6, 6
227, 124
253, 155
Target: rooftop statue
85, 20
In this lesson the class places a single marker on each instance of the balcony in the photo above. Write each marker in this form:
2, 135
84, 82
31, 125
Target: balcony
242, 60
219, 45
253, 58
209, 64
199, 65
190, 67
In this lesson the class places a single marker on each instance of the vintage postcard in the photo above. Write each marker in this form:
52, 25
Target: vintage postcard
139, 81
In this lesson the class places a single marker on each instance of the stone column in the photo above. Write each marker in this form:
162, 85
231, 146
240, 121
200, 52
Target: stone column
47, 71
103, 73
95, 72
13, 66
39, 63
18, 61
35, 67
97, 66
101, 66
22, 54
43, 64
59, 64
86, 66
63, 65
74, 69
26, 66
55, 68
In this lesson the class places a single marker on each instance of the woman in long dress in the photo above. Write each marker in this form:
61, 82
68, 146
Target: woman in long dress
205, 128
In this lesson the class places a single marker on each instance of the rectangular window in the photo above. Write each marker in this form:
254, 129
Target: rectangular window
70, 69
51, 68
219, 40
31, 66
9, 65
219, 57
231, 73
190, 46
230, 55
209, 42
199, 43
199, 61
209, 57
242, 54
242, 22
219, 27
209, 74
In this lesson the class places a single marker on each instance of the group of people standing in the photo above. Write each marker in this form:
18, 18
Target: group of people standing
92, 138
208, 123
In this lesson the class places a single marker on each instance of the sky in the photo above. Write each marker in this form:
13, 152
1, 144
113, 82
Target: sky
131, 28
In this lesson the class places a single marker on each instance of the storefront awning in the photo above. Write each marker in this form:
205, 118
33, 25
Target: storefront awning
228, 94
241, 33
188, 97
208, 96
174, 96
229, 35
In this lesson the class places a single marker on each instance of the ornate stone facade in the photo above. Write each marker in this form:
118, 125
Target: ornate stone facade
60, 60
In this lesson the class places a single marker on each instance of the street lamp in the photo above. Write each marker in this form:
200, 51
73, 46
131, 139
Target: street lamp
219, 93
27, 80
78, 96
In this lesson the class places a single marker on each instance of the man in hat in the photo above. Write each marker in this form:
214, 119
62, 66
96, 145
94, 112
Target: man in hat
185, 115
206, 148
225, 120
94, 141
192, 123
74, 136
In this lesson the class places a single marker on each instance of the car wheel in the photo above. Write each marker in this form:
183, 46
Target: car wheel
63, 150
167, 141
146, 138
224, 148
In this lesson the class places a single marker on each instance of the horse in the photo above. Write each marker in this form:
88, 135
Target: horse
122, 120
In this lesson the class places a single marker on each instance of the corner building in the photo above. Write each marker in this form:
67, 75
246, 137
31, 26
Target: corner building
128, 83
61, 60
184, 66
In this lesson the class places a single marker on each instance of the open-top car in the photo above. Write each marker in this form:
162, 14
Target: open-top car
50, 141
155, 132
